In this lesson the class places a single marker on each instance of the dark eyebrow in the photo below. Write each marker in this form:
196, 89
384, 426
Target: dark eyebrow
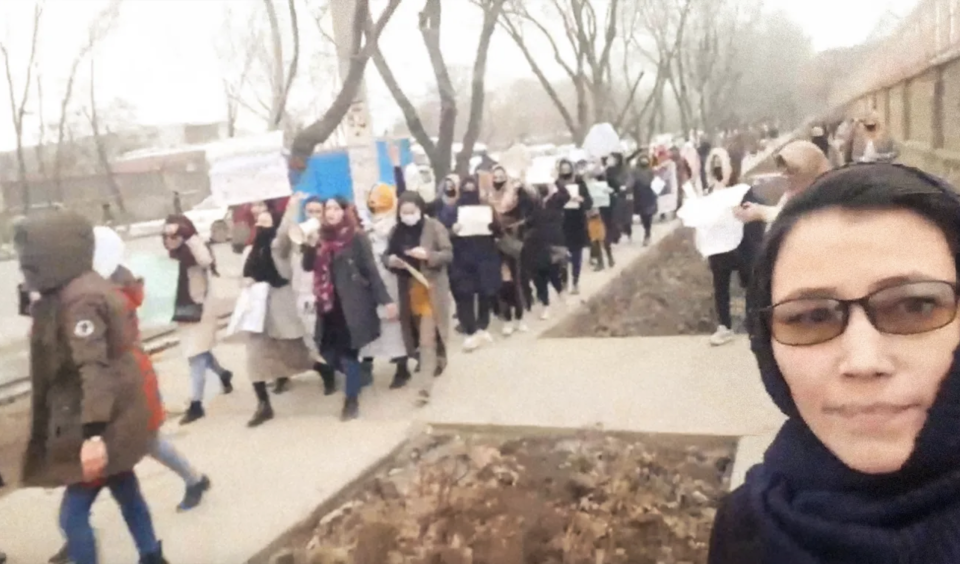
831, 292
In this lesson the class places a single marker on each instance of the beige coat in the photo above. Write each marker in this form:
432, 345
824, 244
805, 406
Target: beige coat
198, 338
436, 240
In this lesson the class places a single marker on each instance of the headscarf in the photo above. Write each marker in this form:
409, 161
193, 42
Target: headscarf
805, 161
469, 197
505, 198
809, 506
382, 199
406, 237
333, 239
187, 230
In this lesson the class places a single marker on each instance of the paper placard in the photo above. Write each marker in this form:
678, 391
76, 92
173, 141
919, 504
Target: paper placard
250, 312
574, 191
601, 140
474, 221
658, 185
249, 178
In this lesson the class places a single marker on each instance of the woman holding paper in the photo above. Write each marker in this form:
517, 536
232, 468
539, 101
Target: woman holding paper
278, 352
196, 320
348, 288
419, 252
545, 251
475, 270
574, 218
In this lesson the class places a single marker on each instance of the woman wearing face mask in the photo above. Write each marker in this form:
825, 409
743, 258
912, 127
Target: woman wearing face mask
574, 217
348, 289
279, 351
544, 250
618, 216
196, 320
382, 203
445, 206
421, 244
513, 207
474, 273
856, 336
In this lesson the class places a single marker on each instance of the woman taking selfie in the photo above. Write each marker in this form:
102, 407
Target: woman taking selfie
855, 332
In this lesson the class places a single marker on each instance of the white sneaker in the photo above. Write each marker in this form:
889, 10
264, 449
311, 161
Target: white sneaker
485, 337
470, 344
545, 314
522, 327
722, 336
507, 329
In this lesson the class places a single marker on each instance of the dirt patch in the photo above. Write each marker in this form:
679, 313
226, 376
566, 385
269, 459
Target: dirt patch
666, 291
535, 499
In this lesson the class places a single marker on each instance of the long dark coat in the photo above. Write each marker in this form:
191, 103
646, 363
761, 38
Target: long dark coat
475, 269
359, 287
575, 220
545, 232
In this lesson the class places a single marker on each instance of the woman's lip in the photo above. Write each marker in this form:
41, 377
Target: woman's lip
876, 415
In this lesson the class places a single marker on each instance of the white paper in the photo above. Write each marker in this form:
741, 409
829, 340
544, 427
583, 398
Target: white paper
601, 140
717, 229
250, 312
474, 221
658, 185
249, 178
574, 191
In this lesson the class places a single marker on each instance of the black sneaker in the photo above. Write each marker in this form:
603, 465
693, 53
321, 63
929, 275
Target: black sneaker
351, 409
329, 376
194, 495
194, 413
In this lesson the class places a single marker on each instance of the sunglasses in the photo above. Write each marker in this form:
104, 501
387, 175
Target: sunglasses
906, 309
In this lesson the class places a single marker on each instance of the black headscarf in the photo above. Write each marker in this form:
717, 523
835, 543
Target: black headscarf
469, 197
406, 237
260, 265
811, 508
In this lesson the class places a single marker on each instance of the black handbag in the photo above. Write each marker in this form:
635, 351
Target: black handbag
188, 313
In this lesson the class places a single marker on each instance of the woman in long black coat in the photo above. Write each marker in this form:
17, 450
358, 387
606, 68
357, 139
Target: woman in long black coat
575, 218
544, 250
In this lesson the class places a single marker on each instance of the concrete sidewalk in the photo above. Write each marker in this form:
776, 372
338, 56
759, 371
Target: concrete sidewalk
267, 480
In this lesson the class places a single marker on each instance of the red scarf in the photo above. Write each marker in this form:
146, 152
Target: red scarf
333, 240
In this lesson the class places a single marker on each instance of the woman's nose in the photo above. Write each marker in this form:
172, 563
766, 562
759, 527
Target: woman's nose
865, 352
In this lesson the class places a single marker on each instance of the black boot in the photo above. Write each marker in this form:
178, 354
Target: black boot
282, 385
194, 412
402, 376
366, 372
329, 376
351, 409
225, 381
3, 557
155, 558
61, 557
194, 495
264, 411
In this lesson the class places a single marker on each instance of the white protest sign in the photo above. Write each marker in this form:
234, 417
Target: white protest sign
717, 229
474, 221
247, 170
601, 140
574, 191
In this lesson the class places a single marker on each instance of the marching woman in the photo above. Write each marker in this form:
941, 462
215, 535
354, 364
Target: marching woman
382, 203
196, 319
474, 272
419, 252
513, 207
278, 352
574, 218
544, 250
601, 193
90, 415
644, 198
348, 288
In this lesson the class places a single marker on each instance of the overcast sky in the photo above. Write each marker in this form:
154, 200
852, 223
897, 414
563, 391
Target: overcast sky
162, 59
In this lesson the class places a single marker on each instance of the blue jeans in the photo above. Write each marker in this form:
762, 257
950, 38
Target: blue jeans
348, 362
166, 454
75, 517
576, 262
199, 366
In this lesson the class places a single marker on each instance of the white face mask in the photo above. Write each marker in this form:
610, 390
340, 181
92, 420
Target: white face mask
410, 219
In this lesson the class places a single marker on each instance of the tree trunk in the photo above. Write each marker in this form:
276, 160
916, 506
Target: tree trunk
491, 14
430, 20
101, 147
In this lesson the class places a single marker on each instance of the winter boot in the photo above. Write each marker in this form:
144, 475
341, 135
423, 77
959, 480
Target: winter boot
194, 412
402, 375
194, 495
366, 372
264, 411
225, 380
329, 376
61, 557
351, 409
155, 558
282, 385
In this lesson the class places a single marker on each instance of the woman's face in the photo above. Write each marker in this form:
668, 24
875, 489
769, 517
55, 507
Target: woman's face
566, 169
410, 213
499, 177
171, 236
469, 187
864, 394
258, 208
265, 220
333, 213
314, 210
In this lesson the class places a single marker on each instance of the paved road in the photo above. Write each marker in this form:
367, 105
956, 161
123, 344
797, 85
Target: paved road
147, 258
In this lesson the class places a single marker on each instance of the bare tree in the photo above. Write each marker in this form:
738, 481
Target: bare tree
103, 157
101, 26
366, 34
440, 152
282, 79
18, 104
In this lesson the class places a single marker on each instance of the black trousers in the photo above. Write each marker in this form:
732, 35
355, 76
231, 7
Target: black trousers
647, 221
543, 278
722, 267
473, 312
